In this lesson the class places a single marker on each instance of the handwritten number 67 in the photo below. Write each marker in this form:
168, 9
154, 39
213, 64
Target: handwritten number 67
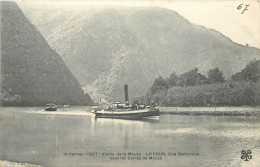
241, 6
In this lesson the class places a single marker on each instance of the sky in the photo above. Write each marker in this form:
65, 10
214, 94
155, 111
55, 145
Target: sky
224, 16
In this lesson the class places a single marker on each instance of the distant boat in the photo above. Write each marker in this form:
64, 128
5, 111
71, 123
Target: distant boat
118, 110
50, 107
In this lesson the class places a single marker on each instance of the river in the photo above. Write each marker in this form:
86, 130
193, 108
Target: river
73, 137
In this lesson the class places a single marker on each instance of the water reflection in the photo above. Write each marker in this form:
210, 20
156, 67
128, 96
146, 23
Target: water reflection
122, 131
126, 121
126, 137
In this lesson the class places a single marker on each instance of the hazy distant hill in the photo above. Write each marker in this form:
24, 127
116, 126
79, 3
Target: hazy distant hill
31, 72
112, 47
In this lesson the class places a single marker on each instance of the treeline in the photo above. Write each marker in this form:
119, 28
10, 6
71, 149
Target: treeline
195, 89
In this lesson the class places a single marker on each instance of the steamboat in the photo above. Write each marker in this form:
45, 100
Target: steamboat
118, 110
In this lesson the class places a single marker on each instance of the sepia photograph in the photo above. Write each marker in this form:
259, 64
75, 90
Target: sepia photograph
123, 83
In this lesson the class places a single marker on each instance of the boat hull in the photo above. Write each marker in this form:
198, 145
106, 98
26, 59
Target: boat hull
127, 114
50, 109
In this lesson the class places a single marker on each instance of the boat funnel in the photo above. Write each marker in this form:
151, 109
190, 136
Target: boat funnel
126, 95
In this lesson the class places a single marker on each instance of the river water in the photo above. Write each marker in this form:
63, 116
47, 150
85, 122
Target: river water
73, 137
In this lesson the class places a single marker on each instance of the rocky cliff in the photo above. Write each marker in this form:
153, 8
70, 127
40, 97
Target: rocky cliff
31, 72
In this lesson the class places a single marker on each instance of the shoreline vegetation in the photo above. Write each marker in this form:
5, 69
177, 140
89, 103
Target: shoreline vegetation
16, 164
197, 90
214, 111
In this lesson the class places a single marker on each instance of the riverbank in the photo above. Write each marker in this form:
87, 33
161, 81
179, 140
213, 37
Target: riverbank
219, 111
15, 164
85, 111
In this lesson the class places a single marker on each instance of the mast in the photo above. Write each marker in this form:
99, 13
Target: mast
126, 95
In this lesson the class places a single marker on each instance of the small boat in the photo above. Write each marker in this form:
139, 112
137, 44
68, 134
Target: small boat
50, 107
127, 111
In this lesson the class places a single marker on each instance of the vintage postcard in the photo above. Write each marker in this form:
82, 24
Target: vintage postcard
122, 83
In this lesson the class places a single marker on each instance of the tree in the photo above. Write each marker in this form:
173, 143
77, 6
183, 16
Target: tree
172, 80
250, 73
192, 78
215, 76
201, 79
159, 84
237, 77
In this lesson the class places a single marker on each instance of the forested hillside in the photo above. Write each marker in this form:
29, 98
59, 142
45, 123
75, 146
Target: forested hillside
31, 72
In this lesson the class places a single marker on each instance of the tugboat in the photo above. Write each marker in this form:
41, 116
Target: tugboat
127, 111
50, 107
